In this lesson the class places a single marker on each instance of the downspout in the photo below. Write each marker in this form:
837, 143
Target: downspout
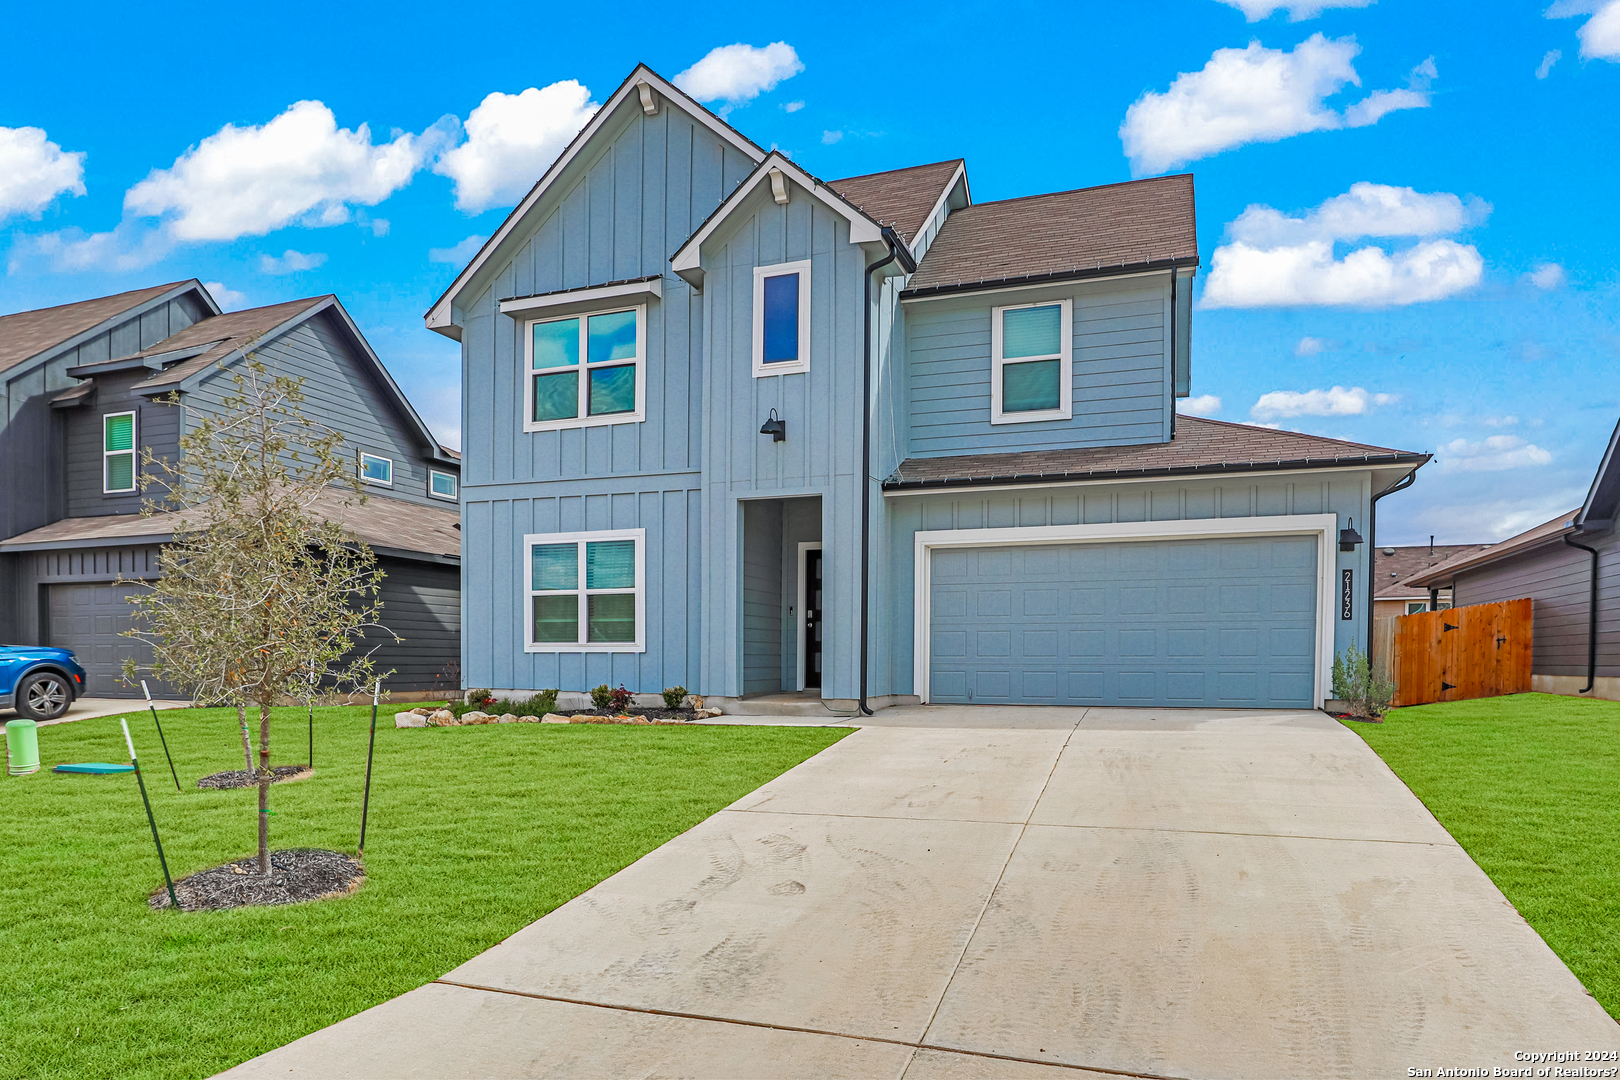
897, 250
1591, 617
1173, 274
1372, 542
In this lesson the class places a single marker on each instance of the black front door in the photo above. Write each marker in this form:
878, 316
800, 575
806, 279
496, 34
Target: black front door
812, 619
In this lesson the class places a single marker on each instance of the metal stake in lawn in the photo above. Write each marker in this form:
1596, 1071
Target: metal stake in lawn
365, 804
150, 820
165, 742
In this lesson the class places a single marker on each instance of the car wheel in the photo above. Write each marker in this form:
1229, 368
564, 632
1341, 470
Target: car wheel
44, 696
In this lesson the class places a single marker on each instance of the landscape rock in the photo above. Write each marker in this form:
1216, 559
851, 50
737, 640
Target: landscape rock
705, 714
554, 718
442, 718
410, 719
526, 719
507, 718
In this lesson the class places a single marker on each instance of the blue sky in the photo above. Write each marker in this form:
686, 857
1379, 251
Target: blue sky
1406, 208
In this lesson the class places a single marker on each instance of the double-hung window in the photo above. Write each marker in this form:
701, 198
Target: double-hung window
586, 591
118, 452
1031, 362
781, 318
585, 370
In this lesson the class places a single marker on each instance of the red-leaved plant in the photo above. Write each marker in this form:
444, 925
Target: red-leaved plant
620, 698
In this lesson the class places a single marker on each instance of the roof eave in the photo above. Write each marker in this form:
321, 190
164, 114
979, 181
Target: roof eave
1370, 461
1077, 274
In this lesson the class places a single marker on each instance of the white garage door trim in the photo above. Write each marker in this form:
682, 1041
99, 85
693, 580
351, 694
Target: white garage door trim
1322, 526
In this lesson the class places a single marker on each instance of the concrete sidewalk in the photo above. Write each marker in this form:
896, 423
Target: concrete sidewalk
1150, 894
89, 708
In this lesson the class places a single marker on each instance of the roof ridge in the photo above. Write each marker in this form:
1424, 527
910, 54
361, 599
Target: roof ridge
1076, 191
903, 168
97, 299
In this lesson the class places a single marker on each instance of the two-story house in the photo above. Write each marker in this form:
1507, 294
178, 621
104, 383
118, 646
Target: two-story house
83, 392
733, 427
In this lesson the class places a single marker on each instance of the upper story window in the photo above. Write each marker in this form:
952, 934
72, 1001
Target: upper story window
586, 370
118, 452
441, 485
1031, 362
781, 318
587, 591
376, 470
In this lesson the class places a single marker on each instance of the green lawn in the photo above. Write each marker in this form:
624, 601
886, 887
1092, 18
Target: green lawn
474, 833
1530, 787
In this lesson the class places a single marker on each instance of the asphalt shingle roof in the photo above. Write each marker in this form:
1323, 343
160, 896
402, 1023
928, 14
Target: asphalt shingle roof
1199, 446
1546, 532
1391, 571
230, 331
26, 334
899, 197
1140, 223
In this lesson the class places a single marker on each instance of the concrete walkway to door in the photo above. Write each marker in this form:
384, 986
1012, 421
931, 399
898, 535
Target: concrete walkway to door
1025, 893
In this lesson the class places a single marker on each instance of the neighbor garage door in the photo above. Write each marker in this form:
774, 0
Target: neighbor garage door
1222, 623
89, 619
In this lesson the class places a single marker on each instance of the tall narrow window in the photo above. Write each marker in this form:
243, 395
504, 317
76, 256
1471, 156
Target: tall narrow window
586, 591
585, 370
118, 452
1031, 371
781, 318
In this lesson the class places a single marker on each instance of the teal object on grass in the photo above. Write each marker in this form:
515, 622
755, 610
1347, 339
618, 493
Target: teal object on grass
95, 768
22, 747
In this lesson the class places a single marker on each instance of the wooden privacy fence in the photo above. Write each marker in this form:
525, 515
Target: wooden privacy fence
1461, 653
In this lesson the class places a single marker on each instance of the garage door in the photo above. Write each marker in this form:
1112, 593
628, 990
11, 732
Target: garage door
88, 619
1222, 623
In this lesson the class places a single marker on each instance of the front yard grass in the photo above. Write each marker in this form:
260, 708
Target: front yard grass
1530, 786
474, 833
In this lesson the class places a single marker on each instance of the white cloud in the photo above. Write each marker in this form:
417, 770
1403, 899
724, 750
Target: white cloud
1337, 401
1476, 516
1547, 276
1499, 421
1600, 35
128, 246
830, 137
792, 106
290, 263
1257, 95
459, 254
511, 140
1273, 260
1312, 346
227, 298
740, 73
1494, 453
298, 168
34, 170
1545, 67
1201, 405
1298, 10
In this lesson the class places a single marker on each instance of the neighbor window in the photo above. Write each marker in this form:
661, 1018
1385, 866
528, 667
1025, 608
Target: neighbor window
118, 452
585, 370
1031, 368
441, 485
781, 318
1415, 606
376, 470
586, 591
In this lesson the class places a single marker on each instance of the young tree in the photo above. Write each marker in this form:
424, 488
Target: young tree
260, 586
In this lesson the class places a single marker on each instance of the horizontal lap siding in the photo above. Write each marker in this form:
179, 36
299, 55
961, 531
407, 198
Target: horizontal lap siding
1120, 371
157, 428
1557, 580
421, 603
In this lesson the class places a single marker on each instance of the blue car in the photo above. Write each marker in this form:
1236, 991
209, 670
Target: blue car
39, 682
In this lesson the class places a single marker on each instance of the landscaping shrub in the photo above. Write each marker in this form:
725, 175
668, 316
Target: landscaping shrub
674, 696
602, 697
484, 701
619, 700
1361, 683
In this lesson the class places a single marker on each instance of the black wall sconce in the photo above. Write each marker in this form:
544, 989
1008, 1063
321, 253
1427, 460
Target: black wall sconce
777, 429
1349, 538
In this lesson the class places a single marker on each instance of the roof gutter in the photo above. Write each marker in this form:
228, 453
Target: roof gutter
1076, 274
1372, 541
897, 251
1591, 616
1021, 479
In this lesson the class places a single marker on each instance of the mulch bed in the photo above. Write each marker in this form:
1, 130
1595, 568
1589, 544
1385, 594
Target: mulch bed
650, 714
296, 875
240, 778
1357, 719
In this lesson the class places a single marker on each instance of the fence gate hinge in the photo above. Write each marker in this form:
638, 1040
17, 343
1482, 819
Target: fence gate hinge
1448, 626
1444, 686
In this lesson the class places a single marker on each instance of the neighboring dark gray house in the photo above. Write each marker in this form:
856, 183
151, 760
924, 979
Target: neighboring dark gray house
79, 390
1570, 568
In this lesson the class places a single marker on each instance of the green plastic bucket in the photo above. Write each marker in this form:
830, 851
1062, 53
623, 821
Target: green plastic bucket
22, 747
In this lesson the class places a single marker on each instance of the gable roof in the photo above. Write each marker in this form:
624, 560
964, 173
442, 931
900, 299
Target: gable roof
1545, 533
1390, 572
438, 317
1602, 503
1136, 225
1199, 447
905, 198
27, 334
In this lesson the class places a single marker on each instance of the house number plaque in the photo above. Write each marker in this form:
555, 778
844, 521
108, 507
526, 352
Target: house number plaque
1346, 609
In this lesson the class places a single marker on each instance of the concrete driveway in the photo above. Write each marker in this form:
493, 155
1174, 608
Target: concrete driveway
997, 892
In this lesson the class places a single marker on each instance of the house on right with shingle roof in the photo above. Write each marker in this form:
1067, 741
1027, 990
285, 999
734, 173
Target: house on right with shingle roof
826, 443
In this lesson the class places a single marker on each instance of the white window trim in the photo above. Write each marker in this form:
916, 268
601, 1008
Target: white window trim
134, 451
434, 474
1324, 527
371, 479
1065, 358
581, 538
583, 367
783, 367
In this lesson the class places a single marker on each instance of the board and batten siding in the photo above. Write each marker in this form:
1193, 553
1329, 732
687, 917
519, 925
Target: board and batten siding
341, 393
762, 596
1557, 579
1344, 493
157, 428
1122, 375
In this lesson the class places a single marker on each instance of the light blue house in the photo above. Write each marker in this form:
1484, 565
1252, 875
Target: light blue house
732, 427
